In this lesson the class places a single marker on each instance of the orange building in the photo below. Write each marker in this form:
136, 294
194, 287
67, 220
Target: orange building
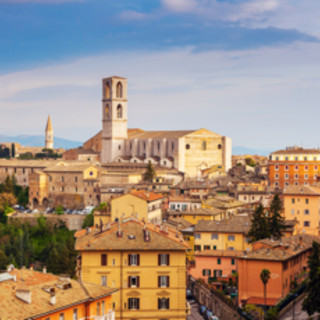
215, 264
293, 166
28, 294
302, 204
286, 260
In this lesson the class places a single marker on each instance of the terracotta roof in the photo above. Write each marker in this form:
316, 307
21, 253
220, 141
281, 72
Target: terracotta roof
235, 224
69, 168
27, 163
178, 223
141, 134
261, 301
179, 199
12, 308
219, 253
146, 195
281, 250
302, 190
297, 151
198, 211
132, 239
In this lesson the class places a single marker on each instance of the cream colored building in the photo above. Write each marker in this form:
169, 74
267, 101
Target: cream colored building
189, 151
145, 263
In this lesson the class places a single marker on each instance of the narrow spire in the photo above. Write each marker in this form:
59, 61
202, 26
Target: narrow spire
49, 124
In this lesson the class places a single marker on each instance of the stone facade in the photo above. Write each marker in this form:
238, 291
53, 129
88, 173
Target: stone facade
188, 151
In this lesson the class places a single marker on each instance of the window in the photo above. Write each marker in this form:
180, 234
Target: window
296, 159
217, 273
163, 259
61, 316
197, 236
296, 176
103, 259
134, 303
103, 308
163, 281
219, 261
107, 88
276, 176
306, 211
315, 168
113, 262
292, 200
277, 158
76, 179
292, 211
286, 168
206, 272
98, 309
163, 303
104, 281
296, 183
119, 111
75, 314
307, 201
287, 159
306, 223
232, 261
197, 248
133, 281
172, 145
134, 259
206, 247
230, 248
306, 176
119, 90
276, 184
305, 158
277, 168
306, 168
296, 168
62, 178
231, 237
286, 176
187, 146
204, 145
214, 236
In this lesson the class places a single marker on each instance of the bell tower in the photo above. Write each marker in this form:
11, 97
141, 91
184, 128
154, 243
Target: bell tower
114, 118
49, 135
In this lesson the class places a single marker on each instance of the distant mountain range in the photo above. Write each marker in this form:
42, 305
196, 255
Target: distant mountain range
38, 141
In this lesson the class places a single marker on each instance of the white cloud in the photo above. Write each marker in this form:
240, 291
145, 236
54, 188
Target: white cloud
256, 96
38, 1
180, 5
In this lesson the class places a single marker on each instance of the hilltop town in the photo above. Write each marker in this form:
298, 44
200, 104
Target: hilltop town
138, 224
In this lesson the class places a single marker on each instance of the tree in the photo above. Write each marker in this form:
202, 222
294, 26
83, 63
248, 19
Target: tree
265, 276
275, 219
88, 221
59, 210
13, 150
259, 226
311, 304
6, 200
150, 172
250, 162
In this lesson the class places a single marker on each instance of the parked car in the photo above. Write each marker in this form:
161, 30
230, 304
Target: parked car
202, 309
189, 295
210, 316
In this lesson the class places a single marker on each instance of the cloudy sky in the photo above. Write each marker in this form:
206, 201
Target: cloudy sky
248, 69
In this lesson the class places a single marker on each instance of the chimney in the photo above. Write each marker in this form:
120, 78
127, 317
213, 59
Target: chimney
10, 267
31, 267
146, 235
119, 232
53, 298
44, 269
24, 295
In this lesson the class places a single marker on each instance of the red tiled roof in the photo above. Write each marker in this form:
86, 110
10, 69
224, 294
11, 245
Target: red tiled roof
146, 195
261, 301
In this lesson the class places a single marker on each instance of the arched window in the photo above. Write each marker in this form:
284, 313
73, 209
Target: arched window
119, 90
107, 110
119, 111
107, 90
187, 146
204, 145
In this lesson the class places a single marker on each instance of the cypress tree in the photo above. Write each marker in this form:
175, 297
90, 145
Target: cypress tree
276, 220
150, 172
259, 226
311, 304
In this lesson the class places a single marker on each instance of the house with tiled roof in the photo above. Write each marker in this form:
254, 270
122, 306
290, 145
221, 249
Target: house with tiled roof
286, 259
145, 262
141, 204
32, 295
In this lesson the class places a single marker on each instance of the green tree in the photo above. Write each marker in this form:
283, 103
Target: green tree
8, 185
4, 261
88, 220
259, 225
311, 304
150, 172
13, 150
275, 219
59, 210
250, 162
265, 276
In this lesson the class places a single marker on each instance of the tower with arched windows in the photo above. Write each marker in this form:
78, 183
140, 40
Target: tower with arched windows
114, 118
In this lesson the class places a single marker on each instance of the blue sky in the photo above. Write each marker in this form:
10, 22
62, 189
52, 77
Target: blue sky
248, 69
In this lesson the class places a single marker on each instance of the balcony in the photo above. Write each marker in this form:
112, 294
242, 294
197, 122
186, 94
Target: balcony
109, 316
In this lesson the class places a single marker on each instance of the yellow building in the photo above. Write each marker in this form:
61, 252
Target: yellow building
141, 204
302, 204
145, 262
229, 234
28, 294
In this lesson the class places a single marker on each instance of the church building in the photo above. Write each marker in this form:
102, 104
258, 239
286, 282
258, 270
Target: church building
189, 151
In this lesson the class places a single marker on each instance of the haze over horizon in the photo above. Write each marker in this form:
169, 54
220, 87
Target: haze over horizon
246, 69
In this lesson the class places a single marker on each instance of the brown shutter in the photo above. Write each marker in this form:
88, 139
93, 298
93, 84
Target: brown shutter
138, 303
138, 281
168, 259
138, 259
129, 282
159, 303
167, 304
168, 281
129, 259
159, 259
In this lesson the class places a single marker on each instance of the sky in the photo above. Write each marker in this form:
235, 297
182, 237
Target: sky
248, 69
